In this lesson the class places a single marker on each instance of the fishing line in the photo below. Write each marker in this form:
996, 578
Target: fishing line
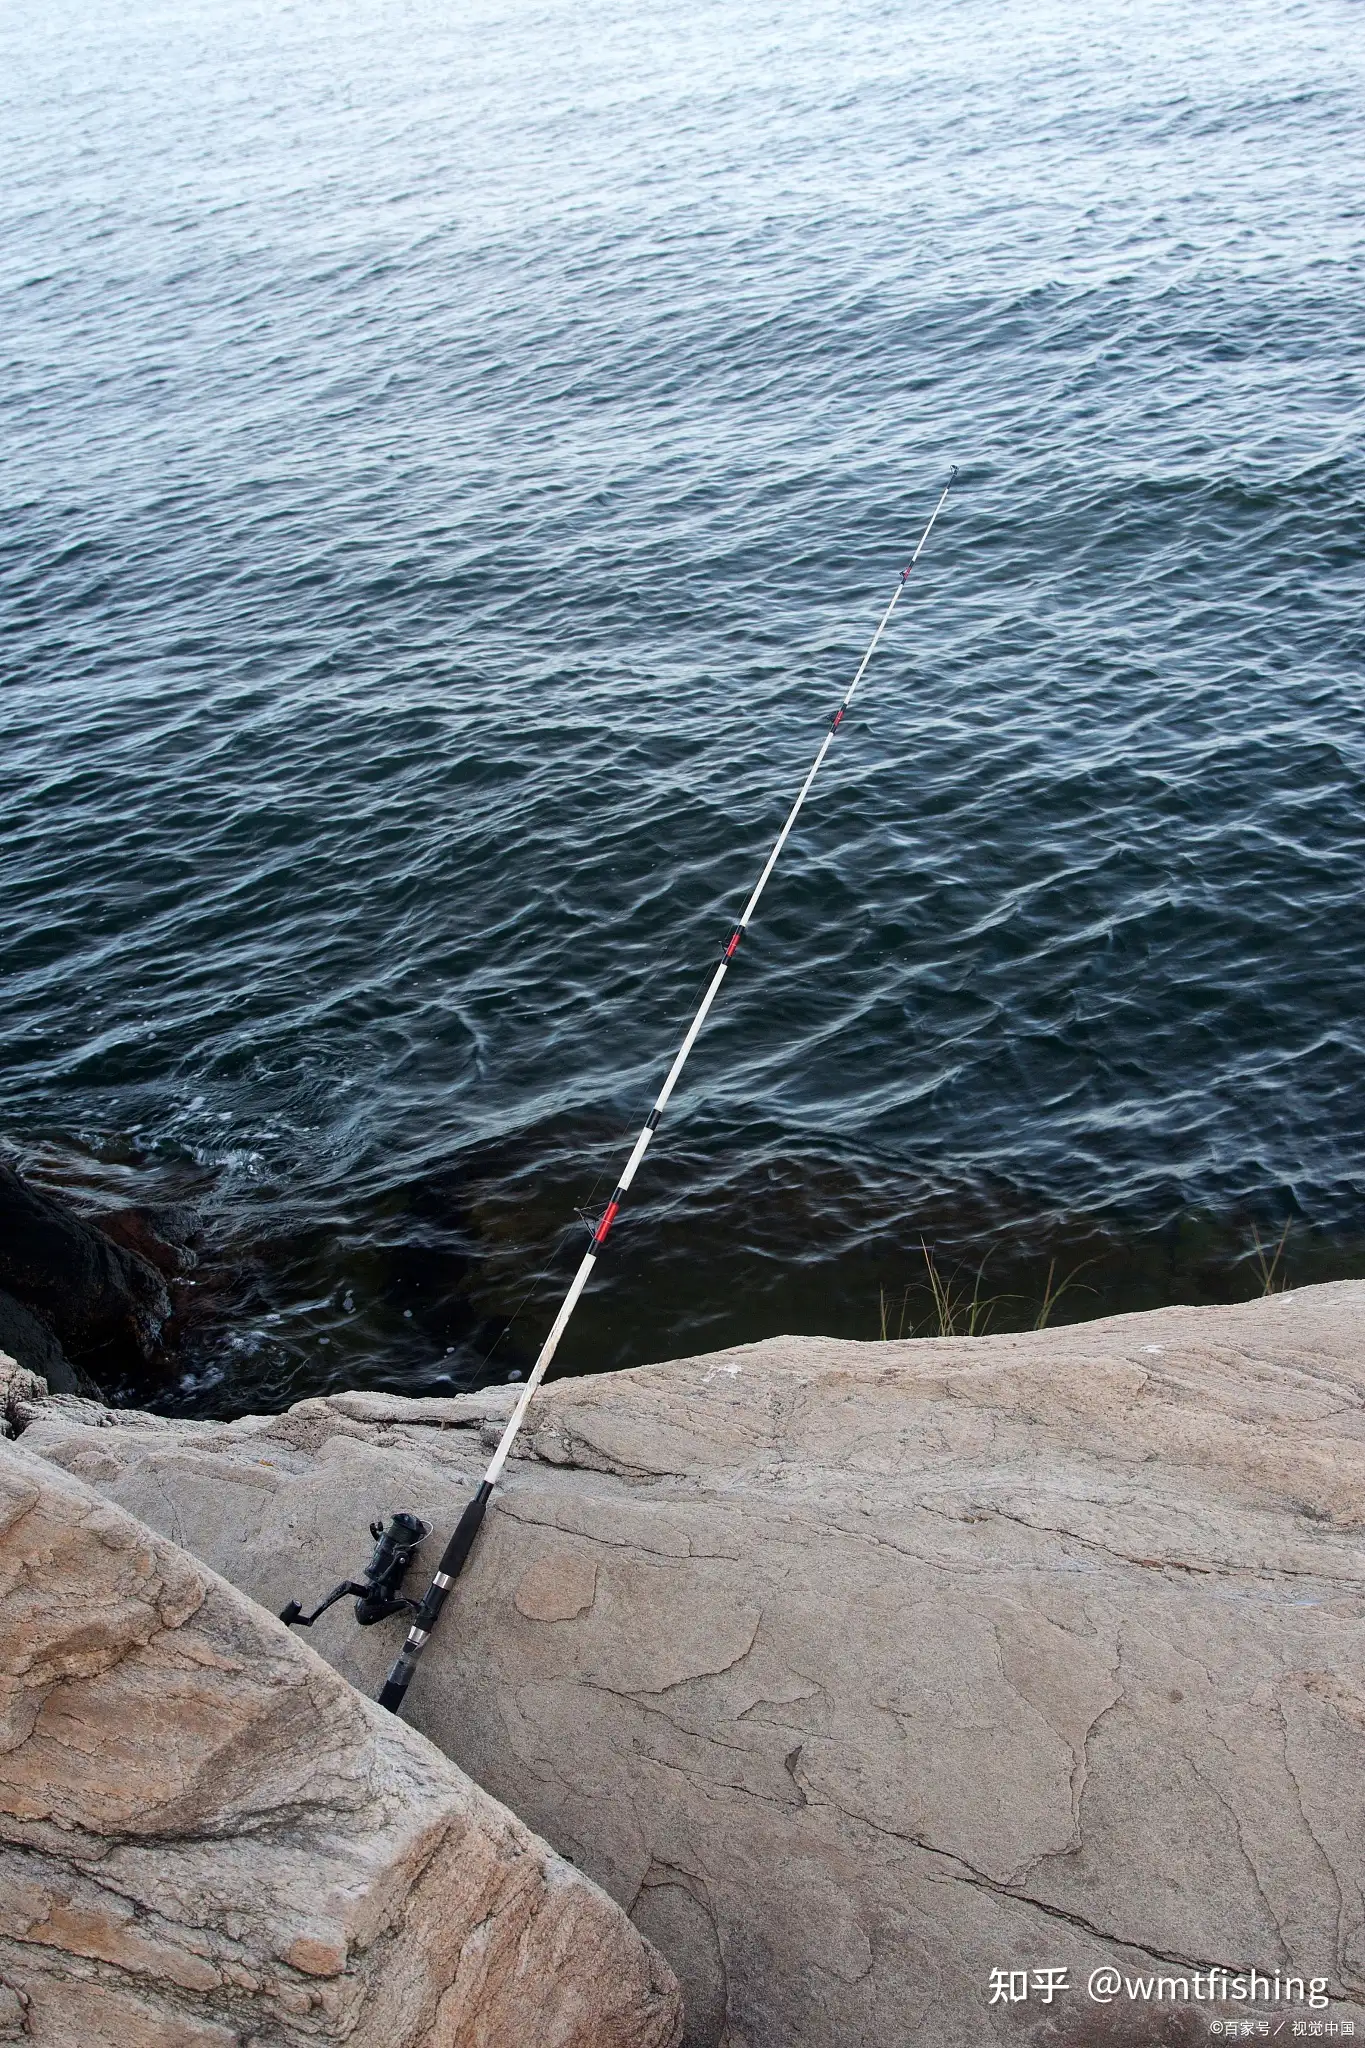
470, 1522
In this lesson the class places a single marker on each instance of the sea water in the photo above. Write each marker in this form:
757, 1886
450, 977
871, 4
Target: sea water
453, 460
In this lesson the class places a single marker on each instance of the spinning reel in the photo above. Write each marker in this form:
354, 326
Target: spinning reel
395, 1548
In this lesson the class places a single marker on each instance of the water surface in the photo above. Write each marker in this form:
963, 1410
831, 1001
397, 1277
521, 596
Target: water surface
453, 462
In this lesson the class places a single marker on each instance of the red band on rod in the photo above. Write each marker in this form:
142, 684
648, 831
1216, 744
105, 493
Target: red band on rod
608, 1219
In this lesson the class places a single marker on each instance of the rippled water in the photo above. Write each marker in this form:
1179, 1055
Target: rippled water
453, 462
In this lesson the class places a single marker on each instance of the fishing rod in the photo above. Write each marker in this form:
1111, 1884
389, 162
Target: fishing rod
462, 1542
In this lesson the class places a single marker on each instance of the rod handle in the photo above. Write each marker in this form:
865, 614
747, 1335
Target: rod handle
453, 1559
397, 1682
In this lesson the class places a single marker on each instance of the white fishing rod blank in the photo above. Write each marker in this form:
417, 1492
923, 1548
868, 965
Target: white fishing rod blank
467, 1529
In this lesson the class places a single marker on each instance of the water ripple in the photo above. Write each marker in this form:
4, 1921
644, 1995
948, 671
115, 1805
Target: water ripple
453, 465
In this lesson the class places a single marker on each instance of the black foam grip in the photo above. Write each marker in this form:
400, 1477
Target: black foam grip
452, 1564
453, 1557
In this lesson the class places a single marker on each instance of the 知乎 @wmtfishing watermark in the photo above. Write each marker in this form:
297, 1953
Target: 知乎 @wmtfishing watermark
1108, 1986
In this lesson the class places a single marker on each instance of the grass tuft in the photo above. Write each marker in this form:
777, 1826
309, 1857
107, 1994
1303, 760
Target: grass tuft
1052, 1295
900, 1327
957, 1313
1270, 1267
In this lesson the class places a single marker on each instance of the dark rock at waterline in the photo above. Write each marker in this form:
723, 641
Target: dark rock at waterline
104, 1304
28, 1340
165, 1236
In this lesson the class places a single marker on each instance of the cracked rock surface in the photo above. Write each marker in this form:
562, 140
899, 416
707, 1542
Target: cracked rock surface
857, 1671
209, 1840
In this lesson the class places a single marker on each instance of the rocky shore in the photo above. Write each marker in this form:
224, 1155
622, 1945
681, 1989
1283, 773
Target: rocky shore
207, 1838
84, 1302
855, 1674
